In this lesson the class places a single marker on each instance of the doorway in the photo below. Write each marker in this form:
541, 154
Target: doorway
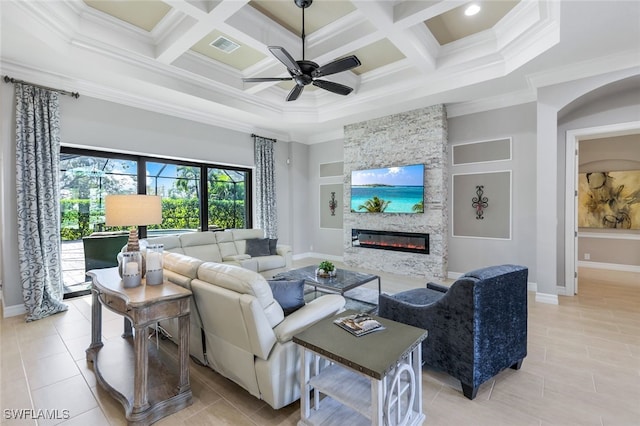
573, 139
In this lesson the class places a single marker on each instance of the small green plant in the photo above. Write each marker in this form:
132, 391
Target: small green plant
326, 266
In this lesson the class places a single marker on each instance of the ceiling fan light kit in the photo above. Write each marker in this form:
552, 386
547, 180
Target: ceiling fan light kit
305, 72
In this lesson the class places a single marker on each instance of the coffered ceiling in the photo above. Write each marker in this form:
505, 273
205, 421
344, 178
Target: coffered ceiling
160, 55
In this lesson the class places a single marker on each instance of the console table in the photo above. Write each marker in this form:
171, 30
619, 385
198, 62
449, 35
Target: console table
375, 379
143, 379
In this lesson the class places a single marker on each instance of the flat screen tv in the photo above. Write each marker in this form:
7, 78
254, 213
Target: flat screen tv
388, 190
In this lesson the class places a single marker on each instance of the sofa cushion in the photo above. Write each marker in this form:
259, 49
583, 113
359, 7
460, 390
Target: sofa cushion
227, 249
266, 263
247, 234
243, 281
170, 242
236, 257
181, 264
258, 247
288, 293
273, 244
224, 237
190, 239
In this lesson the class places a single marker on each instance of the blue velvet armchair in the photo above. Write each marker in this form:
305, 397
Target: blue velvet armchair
477, 327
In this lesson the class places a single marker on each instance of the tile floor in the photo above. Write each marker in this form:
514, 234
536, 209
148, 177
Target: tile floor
582, 368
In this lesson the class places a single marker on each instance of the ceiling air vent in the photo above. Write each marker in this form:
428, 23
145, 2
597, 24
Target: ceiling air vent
224, 44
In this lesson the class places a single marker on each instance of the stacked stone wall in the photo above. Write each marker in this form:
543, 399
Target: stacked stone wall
414, 137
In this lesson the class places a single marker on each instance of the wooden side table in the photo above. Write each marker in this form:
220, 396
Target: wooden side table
145, 380
375, 379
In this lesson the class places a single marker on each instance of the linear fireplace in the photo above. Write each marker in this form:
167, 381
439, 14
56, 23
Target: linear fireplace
389, 240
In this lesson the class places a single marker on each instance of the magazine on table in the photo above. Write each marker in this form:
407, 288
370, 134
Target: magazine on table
358, 324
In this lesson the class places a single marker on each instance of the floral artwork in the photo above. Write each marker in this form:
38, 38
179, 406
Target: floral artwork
609, 200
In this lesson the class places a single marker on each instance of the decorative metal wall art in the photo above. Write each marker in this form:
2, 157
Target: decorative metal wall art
333, 203
480, 203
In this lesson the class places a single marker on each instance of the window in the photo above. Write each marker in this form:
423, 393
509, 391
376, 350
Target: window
227, 194
179, 187
195, 197
84, 182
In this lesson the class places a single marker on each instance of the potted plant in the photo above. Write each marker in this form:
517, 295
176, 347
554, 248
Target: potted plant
326, 269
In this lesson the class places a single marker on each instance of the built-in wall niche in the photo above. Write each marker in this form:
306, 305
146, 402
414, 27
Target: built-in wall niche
489, 191
331, 169
481, 151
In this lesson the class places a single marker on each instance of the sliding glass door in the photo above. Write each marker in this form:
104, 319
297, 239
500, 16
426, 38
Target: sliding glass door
84, 182
195, 197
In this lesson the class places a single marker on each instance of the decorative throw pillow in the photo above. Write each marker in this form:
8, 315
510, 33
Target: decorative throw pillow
273, 243
258, 247
289, 294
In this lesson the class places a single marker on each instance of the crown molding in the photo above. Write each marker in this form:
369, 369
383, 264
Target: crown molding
589, 68
491, 103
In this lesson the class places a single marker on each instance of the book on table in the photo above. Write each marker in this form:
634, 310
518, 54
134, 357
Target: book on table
359, 324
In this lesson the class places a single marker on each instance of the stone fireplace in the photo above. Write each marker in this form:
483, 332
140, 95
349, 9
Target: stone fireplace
414, 137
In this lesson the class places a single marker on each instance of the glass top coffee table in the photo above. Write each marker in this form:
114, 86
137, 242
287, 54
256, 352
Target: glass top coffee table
344, 281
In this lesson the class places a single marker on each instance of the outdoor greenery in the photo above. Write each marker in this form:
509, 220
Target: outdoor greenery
85, 181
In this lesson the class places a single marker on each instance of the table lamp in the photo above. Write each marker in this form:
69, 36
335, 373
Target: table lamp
133, 210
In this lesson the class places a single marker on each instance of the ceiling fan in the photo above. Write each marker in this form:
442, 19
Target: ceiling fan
308, 72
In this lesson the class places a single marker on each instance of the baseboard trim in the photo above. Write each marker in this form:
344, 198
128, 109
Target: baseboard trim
13, 311
550, 299
307, 255
611, 266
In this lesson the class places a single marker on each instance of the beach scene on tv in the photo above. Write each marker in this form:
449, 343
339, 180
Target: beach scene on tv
388, 190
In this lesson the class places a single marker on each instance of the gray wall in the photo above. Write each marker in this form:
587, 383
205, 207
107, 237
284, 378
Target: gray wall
519, 123
325, 241
93, 123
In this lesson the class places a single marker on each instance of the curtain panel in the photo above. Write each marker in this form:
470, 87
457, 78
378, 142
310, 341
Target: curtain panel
38, 195
267, 216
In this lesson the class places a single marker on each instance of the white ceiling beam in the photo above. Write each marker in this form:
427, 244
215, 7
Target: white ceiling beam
418, 45
415, 43
379, 14
410, 13
193, 30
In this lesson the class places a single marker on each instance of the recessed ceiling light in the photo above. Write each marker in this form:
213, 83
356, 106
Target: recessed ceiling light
472, 10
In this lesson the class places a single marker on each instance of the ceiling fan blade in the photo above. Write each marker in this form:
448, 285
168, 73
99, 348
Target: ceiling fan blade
283, 56
294, 93
338, 88
264, 79
337, 66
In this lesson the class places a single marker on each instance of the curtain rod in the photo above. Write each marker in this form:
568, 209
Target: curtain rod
8, 79
253, 135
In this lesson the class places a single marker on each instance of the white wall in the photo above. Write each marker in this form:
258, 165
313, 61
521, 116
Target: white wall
96, 124
519, 123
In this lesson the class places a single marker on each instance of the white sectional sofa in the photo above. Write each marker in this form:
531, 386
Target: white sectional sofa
239, 330
228, 247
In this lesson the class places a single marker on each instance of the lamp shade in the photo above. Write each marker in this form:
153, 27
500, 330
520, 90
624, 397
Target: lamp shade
132, 210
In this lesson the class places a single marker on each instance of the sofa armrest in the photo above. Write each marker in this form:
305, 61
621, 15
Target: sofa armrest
309, 314
283, 249
438, 287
